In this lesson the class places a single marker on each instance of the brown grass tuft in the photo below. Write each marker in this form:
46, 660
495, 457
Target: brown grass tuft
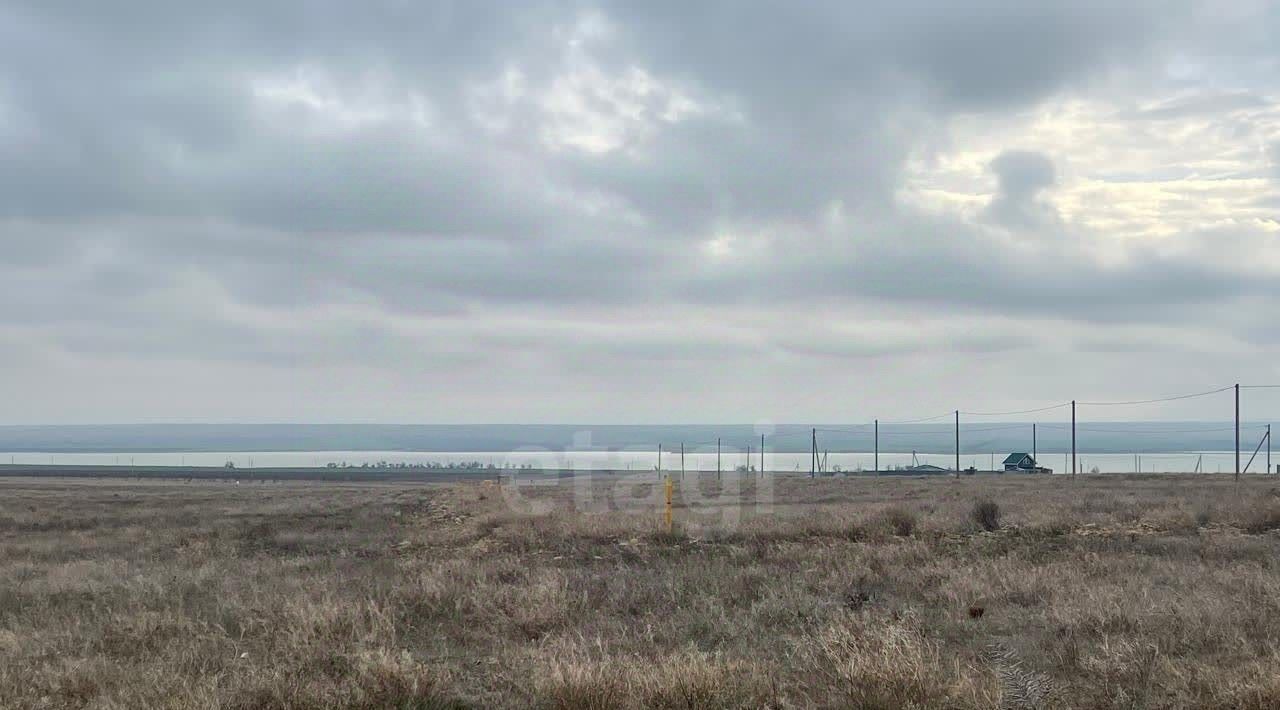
863, 662
690, 680
1262, 518
986, 514
898, 520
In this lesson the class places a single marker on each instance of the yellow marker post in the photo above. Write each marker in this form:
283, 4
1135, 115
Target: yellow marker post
667, 516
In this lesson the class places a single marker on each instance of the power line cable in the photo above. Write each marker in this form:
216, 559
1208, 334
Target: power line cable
1021, 411
859, 429
917, 421
1154, 401
1150, 432
1002, 427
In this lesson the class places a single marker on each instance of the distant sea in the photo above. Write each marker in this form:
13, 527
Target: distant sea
693, 460
1108, 446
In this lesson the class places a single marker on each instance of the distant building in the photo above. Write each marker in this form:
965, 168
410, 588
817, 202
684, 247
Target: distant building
925, 468
1020, 462
913, 470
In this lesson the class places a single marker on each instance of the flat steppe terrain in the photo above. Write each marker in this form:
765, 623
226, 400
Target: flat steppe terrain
978, 592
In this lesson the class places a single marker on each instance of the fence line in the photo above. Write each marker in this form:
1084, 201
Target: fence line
1075, 428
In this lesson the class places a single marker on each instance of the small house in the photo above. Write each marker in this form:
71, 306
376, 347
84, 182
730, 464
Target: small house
1021, 462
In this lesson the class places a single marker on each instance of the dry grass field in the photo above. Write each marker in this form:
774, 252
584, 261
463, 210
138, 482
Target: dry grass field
1104, 592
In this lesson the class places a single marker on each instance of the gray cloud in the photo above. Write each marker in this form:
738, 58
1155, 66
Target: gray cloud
431, 193
1208, 104
1023, 176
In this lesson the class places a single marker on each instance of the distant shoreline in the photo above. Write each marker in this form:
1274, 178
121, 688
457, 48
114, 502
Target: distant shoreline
446, 475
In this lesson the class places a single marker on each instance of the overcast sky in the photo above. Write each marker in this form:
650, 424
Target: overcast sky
649, 211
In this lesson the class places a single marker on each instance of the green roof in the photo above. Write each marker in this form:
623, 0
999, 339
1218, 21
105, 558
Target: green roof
1016, 458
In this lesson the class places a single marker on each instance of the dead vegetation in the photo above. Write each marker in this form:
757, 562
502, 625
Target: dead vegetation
1111, 592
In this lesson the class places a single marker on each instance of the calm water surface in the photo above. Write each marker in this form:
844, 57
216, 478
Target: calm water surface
693, 460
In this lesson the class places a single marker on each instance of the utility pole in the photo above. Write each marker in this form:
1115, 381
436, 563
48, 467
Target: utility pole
747, 467
1268, 448
1033, 444
1237, 433
1073, 438
957, 443
717, 458
682, 460
877, 447
813, 455
659, 460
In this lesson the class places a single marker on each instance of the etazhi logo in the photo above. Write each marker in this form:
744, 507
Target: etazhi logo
604, 484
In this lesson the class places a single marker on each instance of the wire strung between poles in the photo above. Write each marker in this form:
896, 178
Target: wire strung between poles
917, 421
856, 429
1020, 411
1148, 432
1154, 401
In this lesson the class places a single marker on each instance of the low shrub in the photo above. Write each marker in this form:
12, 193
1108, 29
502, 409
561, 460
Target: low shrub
898, 520
1261, 519
986, 513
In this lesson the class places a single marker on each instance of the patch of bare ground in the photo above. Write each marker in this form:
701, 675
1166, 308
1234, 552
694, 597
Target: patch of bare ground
1018, 592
